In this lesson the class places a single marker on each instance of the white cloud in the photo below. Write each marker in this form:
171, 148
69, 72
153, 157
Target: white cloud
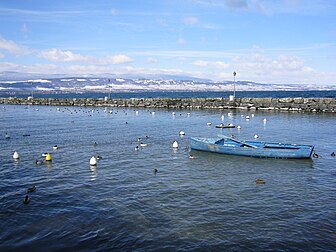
57, 55
214, 64
2, 56
236, 4
282, 69
12, 47
190, 20
116, 59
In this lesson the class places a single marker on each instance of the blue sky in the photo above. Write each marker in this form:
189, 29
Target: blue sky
278, 41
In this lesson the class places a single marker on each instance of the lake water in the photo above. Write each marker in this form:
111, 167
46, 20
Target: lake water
210, 203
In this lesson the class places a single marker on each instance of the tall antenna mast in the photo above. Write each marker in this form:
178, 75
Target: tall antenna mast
234, 84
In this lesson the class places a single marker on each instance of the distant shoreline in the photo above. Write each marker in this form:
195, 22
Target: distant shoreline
297, 104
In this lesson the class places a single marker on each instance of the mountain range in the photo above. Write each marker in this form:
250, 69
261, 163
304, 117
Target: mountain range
15, 82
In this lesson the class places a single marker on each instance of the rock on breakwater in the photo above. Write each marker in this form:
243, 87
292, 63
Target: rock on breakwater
284, 104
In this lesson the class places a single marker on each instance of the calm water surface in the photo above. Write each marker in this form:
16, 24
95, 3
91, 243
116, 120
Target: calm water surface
210, 203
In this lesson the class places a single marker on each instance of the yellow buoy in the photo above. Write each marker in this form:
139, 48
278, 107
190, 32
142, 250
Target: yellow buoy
48, 157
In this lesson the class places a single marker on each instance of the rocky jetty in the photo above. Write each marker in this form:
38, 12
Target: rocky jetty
283, 104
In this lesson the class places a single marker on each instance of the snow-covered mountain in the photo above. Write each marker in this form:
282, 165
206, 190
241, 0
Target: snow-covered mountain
56, 84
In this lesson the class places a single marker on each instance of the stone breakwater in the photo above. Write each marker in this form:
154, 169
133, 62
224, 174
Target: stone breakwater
283, 104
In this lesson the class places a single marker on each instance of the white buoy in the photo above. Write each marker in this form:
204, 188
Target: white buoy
252, 115
173, 113
181, 133
265, 120
93, 161
16, 155
143, 144
256, 136
175, 145
238, 127
58, 109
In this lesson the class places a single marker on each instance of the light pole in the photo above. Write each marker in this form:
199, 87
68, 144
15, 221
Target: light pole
110, 89
31, 83
234, 84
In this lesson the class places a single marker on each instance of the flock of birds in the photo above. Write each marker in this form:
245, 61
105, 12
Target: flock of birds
94, 159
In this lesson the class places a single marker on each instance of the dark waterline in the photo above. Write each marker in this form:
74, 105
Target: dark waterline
173, 94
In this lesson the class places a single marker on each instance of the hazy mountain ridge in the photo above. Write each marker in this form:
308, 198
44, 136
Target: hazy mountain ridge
18, 82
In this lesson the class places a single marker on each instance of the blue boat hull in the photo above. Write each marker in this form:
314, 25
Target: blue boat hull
251, 148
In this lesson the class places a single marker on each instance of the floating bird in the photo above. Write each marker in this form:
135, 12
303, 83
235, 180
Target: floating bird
256, 136
93, 161
99, 157
136, 148
315, 155
31, 189
95, 144
44, 154
7, 136
265, 120
16, 155
260, 181
247, 117
333, 154
38, 162
55, 147
155, 171
26, 200
175, 145
238, 127
181, 133
173, 113
209, 123
191, 157
143, 144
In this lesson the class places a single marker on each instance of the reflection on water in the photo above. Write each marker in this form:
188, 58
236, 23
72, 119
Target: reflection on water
93, 169
157, 197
